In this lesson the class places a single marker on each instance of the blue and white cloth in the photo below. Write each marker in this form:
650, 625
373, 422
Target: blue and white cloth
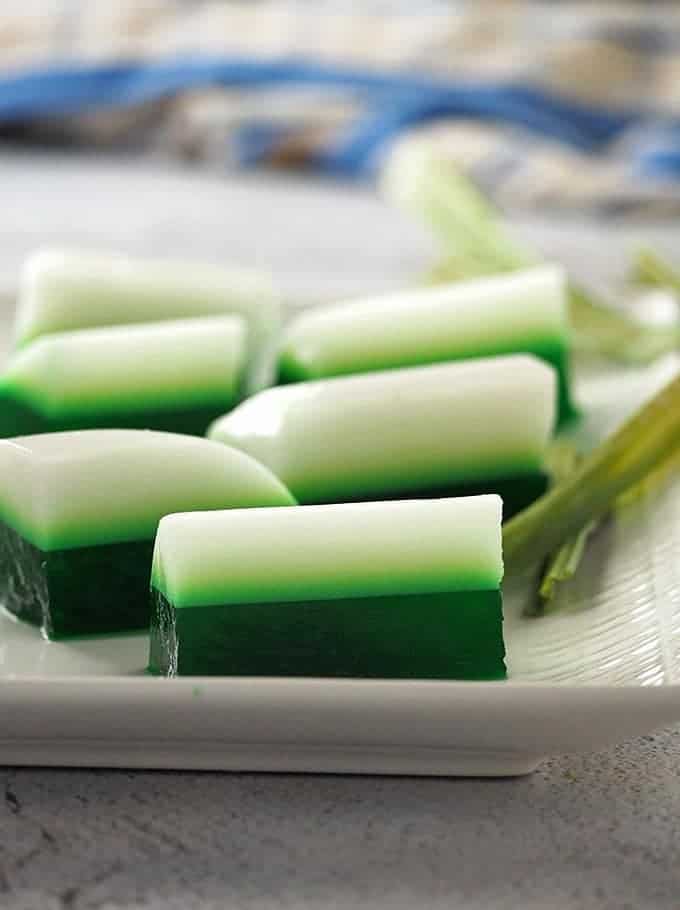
569, 105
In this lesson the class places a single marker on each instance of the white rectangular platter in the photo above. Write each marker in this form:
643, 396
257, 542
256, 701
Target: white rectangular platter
605, 668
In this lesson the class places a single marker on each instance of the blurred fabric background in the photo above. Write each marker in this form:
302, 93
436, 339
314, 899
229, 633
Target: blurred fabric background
546, 105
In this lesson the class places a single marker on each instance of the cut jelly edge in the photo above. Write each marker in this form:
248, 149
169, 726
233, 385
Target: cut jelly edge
77, 592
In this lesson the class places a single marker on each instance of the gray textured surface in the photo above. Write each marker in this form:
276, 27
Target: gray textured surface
597, 831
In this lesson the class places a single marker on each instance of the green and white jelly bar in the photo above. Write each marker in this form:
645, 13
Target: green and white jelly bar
61, 290
178, 374
392, 434
395, 588
524, 312
78, 513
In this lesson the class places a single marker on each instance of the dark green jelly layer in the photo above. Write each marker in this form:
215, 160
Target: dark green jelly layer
83, 591
431, 636
559, 358
290, 371
17, 419
516, 492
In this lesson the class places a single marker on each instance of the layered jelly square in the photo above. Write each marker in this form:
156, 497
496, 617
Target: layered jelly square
406, 589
